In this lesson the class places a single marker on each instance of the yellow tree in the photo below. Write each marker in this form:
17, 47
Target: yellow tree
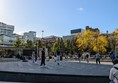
100, 43
84, 40
113, 38
91, 41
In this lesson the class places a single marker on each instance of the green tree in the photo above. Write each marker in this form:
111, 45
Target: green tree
18, 43
56, 46
29, 44
113, 39
68, 46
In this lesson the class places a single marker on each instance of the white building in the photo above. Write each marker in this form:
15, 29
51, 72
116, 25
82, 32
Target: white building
6, 35
31, 35
69, 37
6, 29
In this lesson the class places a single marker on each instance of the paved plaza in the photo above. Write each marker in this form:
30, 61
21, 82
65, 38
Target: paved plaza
65, 67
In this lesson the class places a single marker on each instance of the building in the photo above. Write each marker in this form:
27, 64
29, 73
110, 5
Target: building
50, 39
6, 35
8, 38
73, 32
69, 37
77, 31
6, 29
92, 29
7, 41
31, 35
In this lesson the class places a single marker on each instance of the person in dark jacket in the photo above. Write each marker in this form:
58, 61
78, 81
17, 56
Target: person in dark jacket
58, 57
43, 57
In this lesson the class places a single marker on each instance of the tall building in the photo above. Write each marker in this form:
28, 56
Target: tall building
31, 35
6, 29
6, 35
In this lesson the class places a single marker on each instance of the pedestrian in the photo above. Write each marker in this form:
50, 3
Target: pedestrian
33, 56
112, 55
87, 58
79, 57
43, 57
97, 58
58, 57
36, 56
113, 75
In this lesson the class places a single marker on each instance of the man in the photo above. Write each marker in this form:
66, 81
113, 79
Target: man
97, 58
43, 57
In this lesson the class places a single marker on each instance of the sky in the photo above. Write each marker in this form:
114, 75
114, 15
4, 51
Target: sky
58, 17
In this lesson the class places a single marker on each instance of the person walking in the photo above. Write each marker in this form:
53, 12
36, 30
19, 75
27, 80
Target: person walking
43, 57
113, 75
58, 57
87, 58
112, 55
79, 57
33, 56
97, 58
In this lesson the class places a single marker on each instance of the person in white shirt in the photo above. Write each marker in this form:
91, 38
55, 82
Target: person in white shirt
113, 76
33, 56
97, 58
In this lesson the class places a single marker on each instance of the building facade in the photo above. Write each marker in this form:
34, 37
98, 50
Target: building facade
31, 35
50, 39
6, 29
77, 31
6, 35
69, 37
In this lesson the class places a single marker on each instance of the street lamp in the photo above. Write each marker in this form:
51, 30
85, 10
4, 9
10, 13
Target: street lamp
42, 33
37, 50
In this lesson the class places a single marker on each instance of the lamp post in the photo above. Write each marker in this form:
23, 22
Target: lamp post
37, 48
42, 33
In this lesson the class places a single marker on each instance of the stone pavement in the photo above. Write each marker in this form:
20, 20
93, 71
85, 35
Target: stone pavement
65, 67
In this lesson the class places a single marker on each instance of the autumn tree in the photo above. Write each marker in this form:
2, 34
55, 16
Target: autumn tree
85, 41
100, 43
92, 41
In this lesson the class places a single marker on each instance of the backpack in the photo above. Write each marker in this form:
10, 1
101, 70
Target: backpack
114, 75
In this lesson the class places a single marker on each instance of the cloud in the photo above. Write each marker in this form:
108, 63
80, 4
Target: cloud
80, 9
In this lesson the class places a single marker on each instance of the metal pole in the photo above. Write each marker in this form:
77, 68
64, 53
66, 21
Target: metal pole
37, 50
42, 33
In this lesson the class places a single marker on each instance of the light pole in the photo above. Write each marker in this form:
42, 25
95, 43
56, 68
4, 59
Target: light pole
37, 50
42, 33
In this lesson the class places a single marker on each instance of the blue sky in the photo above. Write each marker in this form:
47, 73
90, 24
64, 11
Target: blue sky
58, 17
